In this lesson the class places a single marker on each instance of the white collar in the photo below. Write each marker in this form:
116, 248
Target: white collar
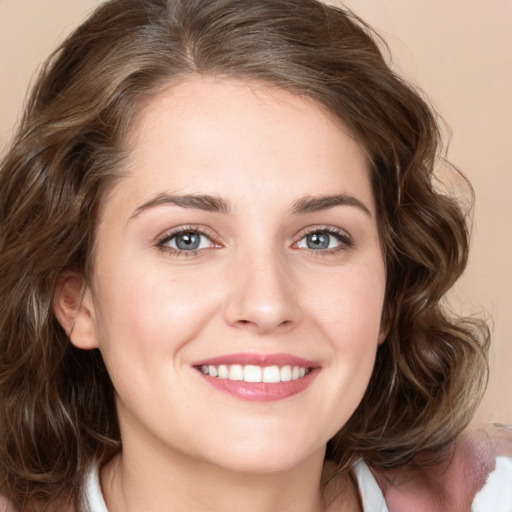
93, 497
369, 490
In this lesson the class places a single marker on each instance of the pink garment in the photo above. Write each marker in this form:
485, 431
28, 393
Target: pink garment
451, 486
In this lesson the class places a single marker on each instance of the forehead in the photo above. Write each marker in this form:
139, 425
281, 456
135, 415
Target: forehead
211, 133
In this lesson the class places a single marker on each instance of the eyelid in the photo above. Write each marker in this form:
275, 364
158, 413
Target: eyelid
345, 239
193, 228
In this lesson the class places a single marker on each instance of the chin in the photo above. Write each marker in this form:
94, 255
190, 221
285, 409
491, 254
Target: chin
271, 454
256, 464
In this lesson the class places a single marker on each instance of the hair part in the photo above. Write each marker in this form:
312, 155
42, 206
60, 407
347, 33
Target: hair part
58, 404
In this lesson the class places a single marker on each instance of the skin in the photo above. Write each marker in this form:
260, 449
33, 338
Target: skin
254, 286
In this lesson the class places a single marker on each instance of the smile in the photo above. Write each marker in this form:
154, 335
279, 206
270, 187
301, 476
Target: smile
252, 373
258, 377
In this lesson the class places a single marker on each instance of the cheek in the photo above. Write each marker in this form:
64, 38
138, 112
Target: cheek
349, 304
152, 313
347, 312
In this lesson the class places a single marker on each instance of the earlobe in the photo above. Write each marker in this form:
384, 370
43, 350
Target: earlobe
385, 325
383, 334
384, 331
73, 306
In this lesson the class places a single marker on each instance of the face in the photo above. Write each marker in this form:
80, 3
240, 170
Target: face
238, 278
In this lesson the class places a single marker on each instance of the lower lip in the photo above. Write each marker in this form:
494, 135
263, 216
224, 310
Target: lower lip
261, 391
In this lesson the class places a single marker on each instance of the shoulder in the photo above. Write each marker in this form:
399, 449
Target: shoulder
477, 476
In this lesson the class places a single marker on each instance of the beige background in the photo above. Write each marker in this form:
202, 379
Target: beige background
458, 51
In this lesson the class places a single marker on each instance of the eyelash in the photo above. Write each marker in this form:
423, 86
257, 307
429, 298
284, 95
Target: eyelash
346, 241
183, 230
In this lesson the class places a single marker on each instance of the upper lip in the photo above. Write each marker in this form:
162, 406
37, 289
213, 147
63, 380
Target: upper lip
257, 359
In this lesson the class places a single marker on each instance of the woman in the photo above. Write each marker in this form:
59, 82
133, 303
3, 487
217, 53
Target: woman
233, 259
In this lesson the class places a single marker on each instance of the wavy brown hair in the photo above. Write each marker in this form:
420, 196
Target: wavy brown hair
57, 404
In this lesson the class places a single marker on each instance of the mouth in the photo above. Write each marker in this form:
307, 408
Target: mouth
251, 373
258, 377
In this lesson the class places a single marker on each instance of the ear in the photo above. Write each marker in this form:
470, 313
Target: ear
74, 308
383, 334
384, 327
385, 324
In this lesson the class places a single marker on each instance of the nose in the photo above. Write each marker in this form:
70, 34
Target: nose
262, 295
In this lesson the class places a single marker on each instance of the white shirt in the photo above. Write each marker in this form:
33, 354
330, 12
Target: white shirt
495, 496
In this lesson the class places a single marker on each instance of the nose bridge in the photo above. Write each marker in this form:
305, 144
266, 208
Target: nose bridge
261, 293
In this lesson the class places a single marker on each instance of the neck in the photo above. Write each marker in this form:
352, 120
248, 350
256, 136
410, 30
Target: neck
129, 484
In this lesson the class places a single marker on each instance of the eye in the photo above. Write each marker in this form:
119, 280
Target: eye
186, 241
325, 240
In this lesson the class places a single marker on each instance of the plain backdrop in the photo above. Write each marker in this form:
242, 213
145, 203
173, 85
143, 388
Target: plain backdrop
458, 51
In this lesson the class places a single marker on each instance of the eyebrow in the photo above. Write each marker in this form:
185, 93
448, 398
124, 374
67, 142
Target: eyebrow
317, 203
217, 204
198, 202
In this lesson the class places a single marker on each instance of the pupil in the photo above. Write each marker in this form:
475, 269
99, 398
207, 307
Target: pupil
318, 241
188, 241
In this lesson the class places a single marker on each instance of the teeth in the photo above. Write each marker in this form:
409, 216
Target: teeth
223, 371
236, 372
286, 373
252, 373
271, 374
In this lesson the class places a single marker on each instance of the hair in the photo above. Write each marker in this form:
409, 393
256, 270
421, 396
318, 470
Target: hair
57, 402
